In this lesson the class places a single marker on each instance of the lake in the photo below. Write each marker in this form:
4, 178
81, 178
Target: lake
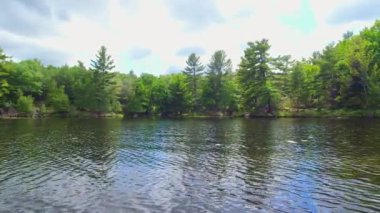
190, 165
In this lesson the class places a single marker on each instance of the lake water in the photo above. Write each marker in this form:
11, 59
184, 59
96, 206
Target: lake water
194, 165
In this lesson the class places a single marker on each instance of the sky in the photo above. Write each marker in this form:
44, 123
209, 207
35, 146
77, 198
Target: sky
157, 36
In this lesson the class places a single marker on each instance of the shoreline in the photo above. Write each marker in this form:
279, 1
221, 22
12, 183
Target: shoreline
306, 113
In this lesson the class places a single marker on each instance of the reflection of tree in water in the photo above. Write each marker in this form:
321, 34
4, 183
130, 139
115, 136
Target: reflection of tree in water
340, 144
60, 138
95, 144
207, 147
254, 174
213, 163
326, 164
204, 165
352, 149
191, 165
72, 157
295, 167
356, 144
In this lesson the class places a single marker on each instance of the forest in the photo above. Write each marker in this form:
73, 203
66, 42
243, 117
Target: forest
343, 77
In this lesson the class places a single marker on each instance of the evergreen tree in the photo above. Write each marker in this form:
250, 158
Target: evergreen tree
193, 72
4, 73
104, 99
219, 67
253, 73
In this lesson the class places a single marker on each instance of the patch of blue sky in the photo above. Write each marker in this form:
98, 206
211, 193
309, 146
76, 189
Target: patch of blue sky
303, 19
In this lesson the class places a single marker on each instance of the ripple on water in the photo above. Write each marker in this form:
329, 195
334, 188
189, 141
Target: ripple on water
236, 165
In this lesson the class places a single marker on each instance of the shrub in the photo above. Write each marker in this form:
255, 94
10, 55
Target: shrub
25, 104
59, 100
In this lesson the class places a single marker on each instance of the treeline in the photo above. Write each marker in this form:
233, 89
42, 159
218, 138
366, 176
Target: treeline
345, 75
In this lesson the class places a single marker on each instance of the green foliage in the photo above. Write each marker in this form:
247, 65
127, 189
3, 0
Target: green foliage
172, 97
27, 76
372, 36
140, 99
58, 99
125, 86
283, 63
193, 72
253, 75
103, 98
42, 109
218, 68
179, 97
344, 78
303, 85
4, 74
103, 62
229, 101
25, 104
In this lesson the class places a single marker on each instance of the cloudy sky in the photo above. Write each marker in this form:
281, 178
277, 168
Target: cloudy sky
156, 36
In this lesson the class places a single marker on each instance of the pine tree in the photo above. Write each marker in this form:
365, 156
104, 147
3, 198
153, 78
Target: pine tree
218, 67
4, 72
104, 98
193, 72
253, 76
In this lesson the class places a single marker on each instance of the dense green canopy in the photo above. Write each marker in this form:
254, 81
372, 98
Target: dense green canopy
345, 75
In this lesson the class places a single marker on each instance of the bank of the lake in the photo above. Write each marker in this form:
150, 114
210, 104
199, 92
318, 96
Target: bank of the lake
293, 113
326, 113
290, 113
279, 113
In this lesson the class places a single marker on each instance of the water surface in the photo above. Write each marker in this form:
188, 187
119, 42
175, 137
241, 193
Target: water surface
200, 165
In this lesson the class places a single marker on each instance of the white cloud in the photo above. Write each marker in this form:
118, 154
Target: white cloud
155, 34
